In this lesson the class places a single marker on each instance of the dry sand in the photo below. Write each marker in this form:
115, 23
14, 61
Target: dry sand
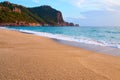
29, 57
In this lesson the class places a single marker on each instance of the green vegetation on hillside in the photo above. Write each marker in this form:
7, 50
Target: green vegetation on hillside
12, 17
47, 13
13, 14
7, 15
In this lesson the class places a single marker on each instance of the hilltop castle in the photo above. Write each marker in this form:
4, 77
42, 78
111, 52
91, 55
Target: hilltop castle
16, 10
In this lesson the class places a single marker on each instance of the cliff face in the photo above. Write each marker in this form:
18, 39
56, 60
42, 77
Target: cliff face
48, 14
17, 15
59, 18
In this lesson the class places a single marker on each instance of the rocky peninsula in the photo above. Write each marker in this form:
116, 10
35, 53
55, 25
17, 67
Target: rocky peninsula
18, 15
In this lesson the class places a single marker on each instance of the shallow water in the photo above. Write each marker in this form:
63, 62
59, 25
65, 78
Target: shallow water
102, 36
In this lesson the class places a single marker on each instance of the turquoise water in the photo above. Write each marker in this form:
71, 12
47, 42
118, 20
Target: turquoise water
102, 36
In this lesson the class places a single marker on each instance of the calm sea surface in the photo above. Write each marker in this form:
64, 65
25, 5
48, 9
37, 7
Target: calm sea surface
102, 36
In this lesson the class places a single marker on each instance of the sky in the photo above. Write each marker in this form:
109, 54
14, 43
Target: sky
82, 12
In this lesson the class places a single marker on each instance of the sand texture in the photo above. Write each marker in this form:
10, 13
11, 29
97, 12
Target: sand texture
30, 57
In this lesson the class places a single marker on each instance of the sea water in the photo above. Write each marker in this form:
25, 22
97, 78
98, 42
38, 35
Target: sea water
102, 36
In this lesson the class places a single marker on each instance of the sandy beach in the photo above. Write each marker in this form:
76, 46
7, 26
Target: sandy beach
29, 57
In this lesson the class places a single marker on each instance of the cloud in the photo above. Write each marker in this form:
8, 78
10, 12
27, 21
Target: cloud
95, 12
96, 5
36, 1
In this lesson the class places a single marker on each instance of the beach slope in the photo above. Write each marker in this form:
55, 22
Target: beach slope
30, 57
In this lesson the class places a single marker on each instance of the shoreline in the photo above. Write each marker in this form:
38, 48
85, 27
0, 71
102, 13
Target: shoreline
69, 38
27, 56
92, 47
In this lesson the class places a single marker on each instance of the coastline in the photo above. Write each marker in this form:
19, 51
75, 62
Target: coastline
27, 56
92, 47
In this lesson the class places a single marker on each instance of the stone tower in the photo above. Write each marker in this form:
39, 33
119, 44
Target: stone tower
16, 10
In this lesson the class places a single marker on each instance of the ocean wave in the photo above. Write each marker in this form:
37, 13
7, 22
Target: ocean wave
113, 32
71, 38
3, 27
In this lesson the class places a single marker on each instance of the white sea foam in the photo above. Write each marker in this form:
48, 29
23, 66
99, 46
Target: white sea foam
69, 38
1, 27
64, 37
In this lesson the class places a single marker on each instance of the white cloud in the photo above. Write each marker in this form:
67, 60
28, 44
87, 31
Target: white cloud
96, 12
78, 18
36, 1
96, 5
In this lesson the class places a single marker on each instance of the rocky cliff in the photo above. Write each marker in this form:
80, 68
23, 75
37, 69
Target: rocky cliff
48, 14
17, 15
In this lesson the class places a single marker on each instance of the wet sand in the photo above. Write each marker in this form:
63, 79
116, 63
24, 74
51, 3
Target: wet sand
96, 48
29, 57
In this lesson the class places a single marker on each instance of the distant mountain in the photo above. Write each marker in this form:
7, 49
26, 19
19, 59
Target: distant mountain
17, 15
48, 14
